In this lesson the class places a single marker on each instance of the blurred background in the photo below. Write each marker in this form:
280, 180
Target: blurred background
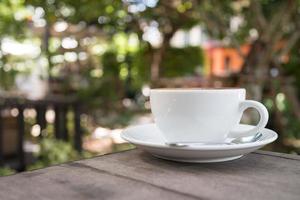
74, 74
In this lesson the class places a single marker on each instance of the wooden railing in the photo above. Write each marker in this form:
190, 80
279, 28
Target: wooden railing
61, 104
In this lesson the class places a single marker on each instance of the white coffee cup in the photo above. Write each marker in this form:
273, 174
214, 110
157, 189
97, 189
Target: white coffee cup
202, 115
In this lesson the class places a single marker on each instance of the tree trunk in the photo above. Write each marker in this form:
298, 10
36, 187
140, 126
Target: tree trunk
255, 69
157, 58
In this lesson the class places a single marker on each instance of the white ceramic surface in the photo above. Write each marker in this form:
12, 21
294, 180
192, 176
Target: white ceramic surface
202, 115
149, 138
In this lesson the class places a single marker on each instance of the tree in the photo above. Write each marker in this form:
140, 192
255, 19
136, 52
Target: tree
10, 25
272, 29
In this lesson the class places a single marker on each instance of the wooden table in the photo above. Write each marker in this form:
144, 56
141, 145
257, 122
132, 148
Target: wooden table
135, 174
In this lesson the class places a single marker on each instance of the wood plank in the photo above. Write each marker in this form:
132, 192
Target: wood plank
137, 175
74, 182
255, 175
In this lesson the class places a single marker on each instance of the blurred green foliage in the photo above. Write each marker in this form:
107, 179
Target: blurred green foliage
180, 62
292, 67
293, 70
5, 171
53, 151
10, 24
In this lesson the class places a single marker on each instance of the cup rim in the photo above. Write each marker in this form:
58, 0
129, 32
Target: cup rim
224, 89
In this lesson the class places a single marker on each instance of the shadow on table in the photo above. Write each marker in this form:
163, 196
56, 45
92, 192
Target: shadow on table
247, 163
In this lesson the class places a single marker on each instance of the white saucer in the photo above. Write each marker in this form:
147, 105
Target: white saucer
149, 138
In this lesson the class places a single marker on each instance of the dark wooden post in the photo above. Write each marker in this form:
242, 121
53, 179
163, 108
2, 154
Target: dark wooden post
21, 130
64, 129
78, 131
41, 117
57, 122
61, 122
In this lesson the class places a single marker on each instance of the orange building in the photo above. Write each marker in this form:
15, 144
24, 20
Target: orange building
222, 61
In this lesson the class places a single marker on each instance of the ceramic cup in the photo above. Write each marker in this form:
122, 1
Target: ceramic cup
202, 115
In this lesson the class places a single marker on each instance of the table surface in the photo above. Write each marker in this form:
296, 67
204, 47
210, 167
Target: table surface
135, 174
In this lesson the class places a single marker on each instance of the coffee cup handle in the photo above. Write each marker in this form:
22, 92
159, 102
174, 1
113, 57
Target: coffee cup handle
263, 113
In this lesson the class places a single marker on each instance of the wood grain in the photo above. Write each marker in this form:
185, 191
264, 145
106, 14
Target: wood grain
137, 175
